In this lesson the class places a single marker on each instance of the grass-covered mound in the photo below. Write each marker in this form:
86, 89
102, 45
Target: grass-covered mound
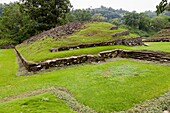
105, 87
94, 32
45, 55
45, 103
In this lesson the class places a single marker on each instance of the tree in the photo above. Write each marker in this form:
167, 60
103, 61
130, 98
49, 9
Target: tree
132, 19
15, 25
159, 22
82, 15
47, 13
144, 22
163, 6
116, 21
98, 17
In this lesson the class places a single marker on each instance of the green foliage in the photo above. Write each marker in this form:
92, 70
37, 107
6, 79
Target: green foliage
47, 13
46, 103
15, 25
136, 20
6, 41
108, 13
142, 24
98, 18
82, 15
99, 86
163, 5
116, 21
139, 32
159, 22
132, 19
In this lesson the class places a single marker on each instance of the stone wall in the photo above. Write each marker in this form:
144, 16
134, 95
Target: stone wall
102, 56
114, 27
146, 55
160, 39
121, 33
137, 41
7, 47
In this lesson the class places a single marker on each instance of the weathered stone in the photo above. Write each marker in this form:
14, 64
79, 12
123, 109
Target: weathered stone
157, 39
120, 34
114, 27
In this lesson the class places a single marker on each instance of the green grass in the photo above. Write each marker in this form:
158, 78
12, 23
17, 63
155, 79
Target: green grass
105, 87
41, 55
98, 31
44, 103
8, 66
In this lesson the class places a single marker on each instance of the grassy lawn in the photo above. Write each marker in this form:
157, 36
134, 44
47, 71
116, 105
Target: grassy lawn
44, 103
8, 66
40, 55
105, 87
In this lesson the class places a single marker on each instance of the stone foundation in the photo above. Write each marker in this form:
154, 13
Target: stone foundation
137, 41
161, 39
121, 33
102, 56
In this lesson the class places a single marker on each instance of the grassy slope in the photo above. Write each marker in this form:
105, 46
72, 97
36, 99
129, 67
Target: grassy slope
45, 103
98, 32
40, 56
8, 66
105, 87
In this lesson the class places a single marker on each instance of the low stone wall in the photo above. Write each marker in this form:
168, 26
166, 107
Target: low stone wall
102, 56
121, 33
160, 39
27, 64
137, 41
146, 55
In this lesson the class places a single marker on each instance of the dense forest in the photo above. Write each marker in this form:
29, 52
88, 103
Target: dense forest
19, 21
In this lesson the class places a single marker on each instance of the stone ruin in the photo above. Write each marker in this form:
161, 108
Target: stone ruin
59, 31
114, 27
159, 39
124, 33
161, 36
102, 56
137, 41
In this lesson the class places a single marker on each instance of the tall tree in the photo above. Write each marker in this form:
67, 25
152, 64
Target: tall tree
159, 22
98, 17
48, 13
132, 19
82, 15
163, 5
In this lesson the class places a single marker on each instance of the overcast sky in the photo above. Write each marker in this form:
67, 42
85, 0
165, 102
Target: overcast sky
130, 5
